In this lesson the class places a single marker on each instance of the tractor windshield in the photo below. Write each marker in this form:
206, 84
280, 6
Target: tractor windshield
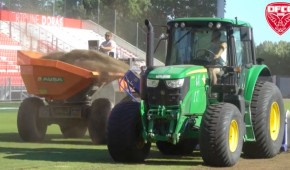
199, 45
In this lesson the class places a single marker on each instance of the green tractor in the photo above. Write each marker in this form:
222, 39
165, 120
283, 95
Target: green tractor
183, 108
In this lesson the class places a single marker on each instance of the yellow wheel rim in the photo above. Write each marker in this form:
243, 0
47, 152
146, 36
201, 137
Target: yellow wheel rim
233, 136
274, 121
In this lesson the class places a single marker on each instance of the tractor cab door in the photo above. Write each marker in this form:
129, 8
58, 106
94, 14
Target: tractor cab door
244, 54
240, 59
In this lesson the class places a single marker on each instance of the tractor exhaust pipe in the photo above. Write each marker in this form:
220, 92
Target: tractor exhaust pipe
150, 43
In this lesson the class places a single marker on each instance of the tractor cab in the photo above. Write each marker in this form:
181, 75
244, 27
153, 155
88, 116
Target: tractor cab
225, 47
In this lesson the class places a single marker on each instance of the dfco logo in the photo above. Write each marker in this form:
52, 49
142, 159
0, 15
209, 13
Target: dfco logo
278, 16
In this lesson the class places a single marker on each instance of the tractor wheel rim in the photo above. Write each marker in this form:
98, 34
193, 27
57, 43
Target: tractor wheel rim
274, 121
233, 136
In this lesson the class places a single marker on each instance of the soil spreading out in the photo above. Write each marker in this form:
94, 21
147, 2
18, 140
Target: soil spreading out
90, 60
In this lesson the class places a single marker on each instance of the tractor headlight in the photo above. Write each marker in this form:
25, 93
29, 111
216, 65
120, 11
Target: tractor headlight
152, 83
175, 83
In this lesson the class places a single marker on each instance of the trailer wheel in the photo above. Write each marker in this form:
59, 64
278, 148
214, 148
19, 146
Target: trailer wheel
184, 147
268, 120
221, 135
30, 127
74, 130
97, 120
125, 142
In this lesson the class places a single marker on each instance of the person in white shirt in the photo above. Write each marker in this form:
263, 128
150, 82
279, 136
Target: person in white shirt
108, 46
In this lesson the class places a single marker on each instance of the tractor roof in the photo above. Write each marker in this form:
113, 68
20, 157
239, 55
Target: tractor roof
208, 19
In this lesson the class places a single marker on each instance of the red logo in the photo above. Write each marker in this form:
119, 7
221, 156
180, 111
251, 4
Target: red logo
278, 16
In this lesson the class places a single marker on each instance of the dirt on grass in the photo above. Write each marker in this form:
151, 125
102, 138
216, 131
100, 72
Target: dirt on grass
281, 161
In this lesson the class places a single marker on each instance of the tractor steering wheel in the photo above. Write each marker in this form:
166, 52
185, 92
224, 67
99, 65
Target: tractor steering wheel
207, 52
204, 58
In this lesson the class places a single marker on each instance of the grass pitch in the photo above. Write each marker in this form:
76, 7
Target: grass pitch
55, 152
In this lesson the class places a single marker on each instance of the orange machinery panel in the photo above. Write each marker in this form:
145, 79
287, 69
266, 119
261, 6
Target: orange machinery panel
53, 79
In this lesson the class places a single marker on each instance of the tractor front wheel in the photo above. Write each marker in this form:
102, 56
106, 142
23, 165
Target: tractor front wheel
30, 127
125, 142
268, 120
221, 135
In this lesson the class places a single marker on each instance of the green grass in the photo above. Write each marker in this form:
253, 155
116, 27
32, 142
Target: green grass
287, 104
9, 104
55, 152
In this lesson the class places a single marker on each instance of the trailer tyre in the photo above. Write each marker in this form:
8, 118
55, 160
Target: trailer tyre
221, 135
268, 120
30, 127
97, 120
184, 147
125, 142
74, 130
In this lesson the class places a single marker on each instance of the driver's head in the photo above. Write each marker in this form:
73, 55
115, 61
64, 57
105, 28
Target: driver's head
216, 34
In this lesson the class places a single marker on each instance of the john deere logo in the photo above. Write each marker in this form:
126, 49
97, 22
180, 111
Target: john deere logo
51, 79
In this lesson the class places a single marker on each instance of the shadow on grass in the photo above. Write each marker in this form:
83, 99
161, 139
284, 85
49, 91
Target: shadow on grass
157, 158
87, 155
49, 138
57, 154
75, 154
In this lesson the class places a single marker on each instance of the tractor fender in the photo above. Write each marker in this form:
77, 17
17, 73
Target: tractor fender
254, 73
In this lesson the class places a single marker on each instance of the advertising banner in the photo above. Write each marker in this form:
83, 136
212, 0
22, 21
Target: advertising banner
40, 19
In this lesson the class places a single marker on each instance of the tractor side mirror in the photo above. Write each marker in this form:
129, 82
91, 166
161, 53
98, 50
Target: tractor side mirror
246, 34
161, 38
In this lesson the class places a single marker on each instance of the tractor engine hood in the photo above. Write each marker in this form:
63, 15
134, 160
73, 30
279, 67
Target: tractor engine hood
176, 71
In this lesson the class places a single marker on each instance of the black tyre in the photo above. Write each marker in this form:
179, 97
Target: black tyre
221, 135
268, 120
125, 142
184, 147
30, 127
97, 120
74, 130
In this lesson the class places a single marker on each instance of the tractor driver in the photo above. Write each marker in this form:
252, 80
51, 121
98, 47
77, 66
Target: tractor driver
219, 58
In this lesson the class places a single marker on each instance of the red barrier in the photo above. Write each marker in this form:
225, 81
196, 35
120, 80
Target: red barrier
40, 19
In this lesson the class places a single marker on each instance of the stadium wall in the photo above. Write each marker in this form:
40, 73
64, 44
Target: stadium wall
40, 19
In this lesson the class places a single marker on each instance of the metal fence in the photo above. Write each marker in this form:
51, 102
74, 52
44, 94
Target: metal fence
10, 92
131, 31
283, 82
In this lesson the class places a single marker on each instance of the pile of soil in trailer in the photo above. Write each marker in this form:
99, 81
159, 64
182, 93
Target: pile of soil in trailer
90, 60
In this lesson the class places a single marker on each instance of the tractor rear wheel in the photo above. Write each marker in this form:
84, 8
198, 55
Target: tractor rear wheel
125, 142
74, 130
221, 135
184, 147
30, 127
268, 120
97, 120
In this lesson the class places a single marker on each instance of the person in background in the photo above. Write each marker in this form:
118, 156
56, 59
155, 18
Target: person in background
108, 46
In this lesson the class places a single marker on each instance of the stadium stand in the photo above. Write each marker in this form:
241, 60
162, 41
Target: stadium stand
11, 84
43, 34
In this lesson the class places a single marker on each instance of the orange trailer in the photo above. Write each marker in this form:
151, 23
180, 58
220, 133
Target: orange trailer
56, 80
61, 95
